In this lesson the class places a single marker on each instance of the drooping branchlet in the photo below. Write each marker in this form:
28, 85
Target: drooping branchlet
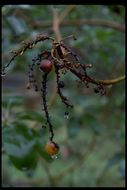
44, 82
59, 91
61, 57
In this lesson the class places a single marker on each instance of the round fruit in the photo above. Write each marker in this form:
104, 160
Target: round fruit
61, 84
46, 65
51, 148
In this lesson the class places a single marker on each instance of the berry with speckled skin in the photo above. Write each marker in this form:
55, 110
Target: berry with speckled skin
46, 65
51, 148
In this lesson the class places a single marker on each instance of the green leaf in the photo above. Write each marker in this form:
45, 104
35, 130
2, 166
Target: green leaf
93, 123
12, 101
23, 145
19, 142
25, 163
30, 115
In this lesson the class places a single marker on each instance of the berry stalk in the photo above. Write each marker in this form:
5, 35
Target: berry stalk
45, 105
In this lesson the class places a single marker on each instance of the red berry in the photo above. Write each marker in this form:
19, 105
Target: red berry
51, 148
46, 65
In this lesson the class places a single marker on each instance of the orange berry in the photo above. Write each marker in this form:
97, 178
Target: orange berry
51, 148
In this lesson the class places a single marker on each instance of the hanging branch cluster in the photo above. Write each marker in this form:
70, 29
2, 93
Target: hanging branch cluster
63, 59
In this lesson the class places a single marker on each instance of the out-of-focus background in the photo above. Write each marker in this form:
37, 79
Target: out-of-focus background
92, 139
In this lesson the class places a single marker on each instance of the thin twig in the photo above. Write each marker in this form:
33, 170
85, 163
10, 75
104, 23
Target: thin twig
95, 81
65, 13
112, 81
55, 24
93, 22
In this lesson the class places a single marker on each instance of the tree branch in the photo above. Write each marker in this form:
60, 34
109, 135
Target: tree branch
56, 29
55, 24
104, 82
92, 22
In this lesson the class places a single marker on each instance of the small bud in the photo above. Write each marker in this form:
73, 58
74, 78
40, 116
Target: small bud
96, 90
88, 65
21, 52
61, 84
66, 115
28, 86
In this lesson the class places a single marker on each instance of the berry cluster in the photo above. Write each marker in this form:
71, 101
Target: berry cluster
63, 59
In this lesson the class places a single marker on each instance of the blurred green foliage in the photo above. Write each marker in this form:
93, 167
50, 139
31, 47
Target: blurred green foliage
92, 139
